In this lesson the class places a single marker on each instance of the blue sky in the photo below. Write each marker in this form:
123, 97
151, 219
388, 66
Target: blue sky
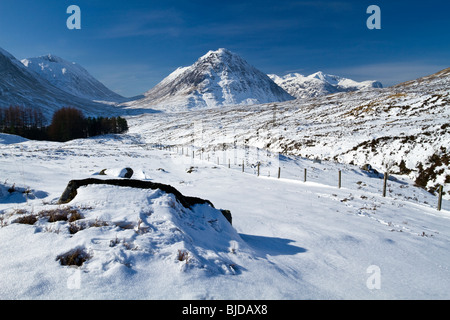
132, 45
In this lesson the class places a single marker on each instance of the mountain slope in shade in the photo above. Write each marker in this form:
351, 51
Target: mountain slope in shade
22, 87
71, 77
219, 78
319, 84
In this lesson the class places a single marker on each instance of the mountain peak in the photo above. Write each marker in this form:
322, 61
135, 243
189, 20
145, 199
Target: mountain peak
220, 55
52, 58
218, 78
332, 79
219, 52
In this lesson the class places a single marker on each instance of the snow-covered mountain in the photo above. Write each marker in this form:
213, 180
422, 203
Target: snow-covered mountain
319, 84
24, 87
71, 77
219, 78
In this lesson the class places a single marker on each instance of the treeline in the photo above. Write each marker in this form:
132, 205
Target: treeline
22, 121
67, 124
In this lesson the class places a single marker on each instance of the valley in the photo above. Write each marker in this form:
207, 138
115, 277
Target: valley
272, 223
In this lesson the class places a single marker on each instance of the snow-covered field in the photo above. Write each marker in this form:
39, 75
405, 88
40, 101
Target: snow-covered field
289, 239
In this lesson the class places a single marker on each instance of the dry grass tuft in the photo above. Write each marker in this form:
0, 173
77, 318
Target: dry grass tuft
27, 219
74, 257
61, 214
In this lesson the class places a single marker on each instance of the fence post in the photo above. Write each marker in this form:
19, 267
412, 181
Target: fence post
385, 183
279, 172
242, 165
258, 169
340, 178
304, 176
440, 198
229, 163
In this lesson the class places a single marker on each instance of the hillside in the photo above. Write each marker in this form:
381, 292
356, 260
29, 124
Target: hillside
403, 129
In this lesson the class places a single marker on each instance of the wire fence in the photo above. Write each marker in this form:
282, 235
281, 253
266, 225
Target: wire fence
261, 162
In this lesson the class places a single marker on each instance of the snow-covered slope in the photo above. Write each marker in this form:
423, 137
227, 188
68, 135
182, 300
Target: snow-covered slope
402, 129
289, 239
219, 78
20, 86
71, 77
319, 84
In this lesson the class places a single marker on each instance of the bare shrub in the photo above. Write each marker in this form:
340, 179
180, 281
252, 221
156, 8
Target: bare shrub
183, 255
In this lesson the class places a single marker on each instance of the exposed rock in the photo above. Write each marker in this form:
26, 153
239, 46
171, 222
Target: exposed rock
128, 173
120, 173
227, 214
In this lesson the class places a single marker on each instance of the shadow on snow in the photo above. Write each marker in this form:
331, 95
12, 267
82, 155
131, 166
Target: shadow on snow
271, 245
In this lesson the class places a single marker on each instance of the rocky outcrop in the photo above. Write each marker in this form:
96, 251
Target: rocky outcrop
188, 202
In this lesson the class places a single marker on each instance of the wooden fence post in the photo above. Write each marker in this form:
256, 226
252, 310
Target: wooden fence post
340, 178
304, 176
385, 183
279, 172
440, 198
242, 165
258, 169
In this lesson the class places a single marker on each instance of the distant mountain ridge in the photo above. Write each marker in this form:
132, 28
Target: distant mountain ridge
71, 77
23, 87
320, 84
219, 78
